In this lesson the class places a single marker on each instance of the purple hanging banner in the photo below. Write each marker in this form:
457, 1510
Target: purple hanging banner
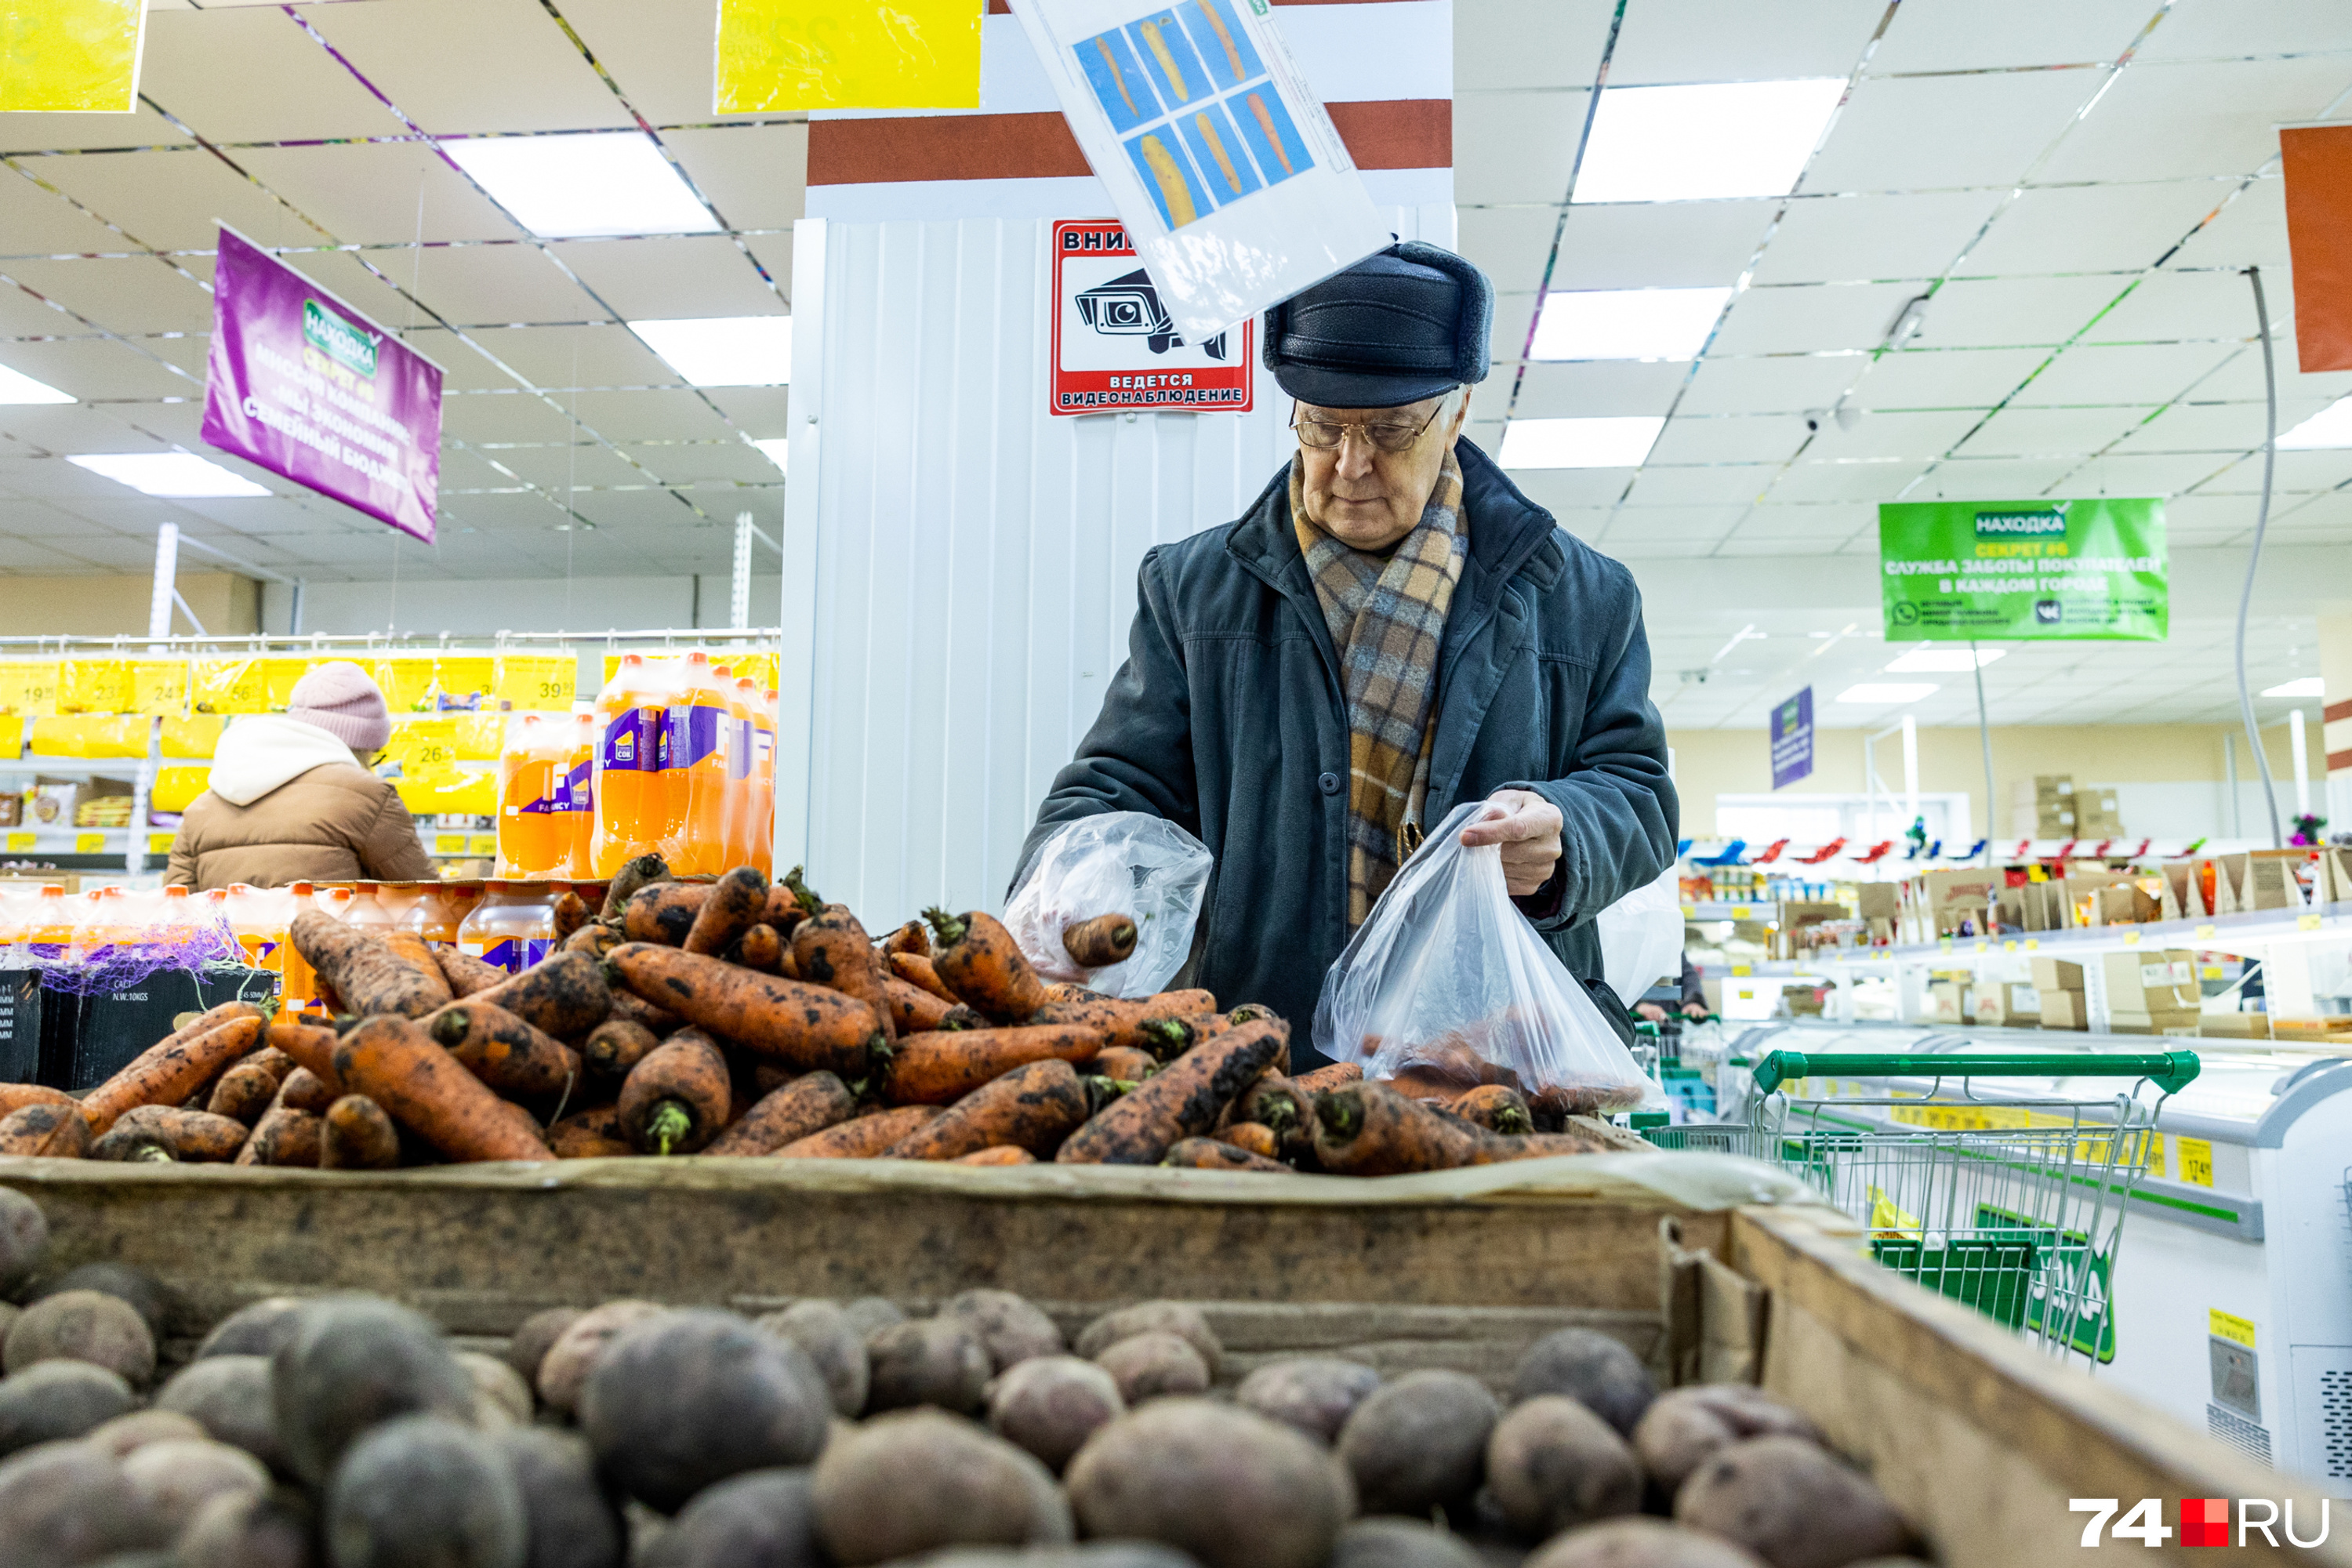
309, 388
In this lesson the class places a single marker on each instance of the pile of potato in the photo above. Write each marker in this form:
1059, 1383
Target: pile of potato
348, 1431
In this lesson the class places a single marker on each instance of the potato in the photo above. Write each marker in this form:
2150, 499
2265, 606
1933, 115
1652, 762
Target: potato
83, 1325
682, 1399
424, 1491
1420, 1442
1793, 1504
1683, 1427
1051, 1404
126, 1434
239, 1530
23, 1239
1639, 1543
353, 1362
140, 1290
534, 1336
230, 1397
1179, 1317
571, 1519
1596, 1371
1148, 1365
869, 1315
500, 1395
566, 1364
824, 1330
1234, 1488
1010, 1326
1313, 1393
67, 1502
909, 1482
58, 1399
1400, 1543
762, 1518
1085, 1554
175, 1478
932, 1360
256, 1328
1553, 1465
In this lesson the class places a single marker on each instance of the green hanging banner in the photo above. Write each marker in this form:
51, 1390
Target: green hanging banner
2030, 571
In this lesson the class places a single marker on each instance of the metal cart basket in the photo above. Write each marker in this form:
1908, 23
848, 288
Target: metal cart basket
2013, 1205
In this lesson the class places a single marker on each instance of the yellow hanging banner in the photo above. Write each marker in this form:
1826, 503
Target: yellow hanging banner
782, 55
93, 685
422, 746
28, 687
407, 680
279, 675
465, 682
235, 684
70, 57
478, 737
159, 687
194, 736
540, 682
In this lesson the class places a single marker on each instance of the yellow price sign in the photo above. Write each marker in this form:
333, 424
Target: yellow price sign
2206, 930
159, 687
1741, 969
2230, 1326
1946, 943
1741, 912
20, 843
1984, 947
2009, 946
483, 843
90, 842
2032, 944
448, 843
2196, 1162
1690, 912
160, 842
2131, 939
535, 681
2306, 922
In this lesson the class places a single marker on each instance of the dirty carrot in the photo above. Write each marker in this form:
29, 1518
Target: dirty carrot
677, 1099
306, 1090
467, 976
1338, 1075
910, 939
51, 1131
942, 1066
628, 1004
1099, 942
615, 1045
569, 914
1032, 1107
243, 1092
983, 965
665, 912
803, 1025
1210, 1155
15, 1097
170, 1071
169, 1132
363, 969
590, 1135
1370, 1129
997, 1154
761, 948
311, 1046
358, 1136
283, 1136
1255, 1136
916, 969
641, 872
860, 1138
1150, 1023
564, 996
1127, 1062
830, 948
396, 1064
502, 1050
1273, 1101
1497, 1107
786, 1115
1181, 1100
596, 939
734, 905
417, 954
914, 1009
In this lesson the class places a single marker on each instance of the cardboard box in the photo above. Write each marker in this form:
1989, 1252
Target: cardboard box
2234, 1026
2064, 1010
2054, 787
2006, 1005
12, 810
2172, 1023
1935, 903
2150, 980
1947, 1002
1875, 901
2056, 974
2331, 1029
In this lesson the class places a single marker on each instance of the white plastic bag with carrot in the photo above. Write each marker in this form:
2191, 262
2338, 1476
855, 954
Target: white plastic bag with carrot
1447, 986
1115, 867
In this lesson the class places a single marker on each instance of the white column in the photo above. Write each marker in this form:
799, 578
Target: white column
1910, 773
159, 624
739, 603
2300, 752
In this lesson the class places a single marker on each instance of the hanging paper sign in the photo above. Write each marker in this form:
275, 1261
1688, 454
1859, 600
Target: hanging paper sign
309, 388
1235, 189
1114, 346
2030, 570
71, 56
780, 55
1792, 739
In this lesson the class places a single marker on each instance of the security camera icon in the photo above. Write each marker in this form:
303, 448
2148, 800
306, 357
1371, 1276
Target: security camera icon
1130, 307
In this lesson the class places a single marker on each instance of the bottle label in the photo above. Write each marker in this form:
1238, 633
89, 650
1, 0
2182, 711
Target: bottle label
631, 742
690, 735
739, 754
512, 953
580, 789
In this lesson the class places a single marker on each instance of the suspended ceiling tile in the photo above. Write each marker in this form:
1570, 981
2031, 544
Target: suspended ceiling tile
1811, 523
1729, 438
24, 314
2090, 228
1515, 319
1659, 244
2011, 312
2017, 432
2239, 378
582, 465
773, 252
1485, 434
498, 285
758, 412
500, 65
1921, 435
493, 417
685, 464
1796, 319
2249, 230
756, 175
1530, 43
129, 297
1490, 400
1511, 245
253, 74
371, 193
1829, 481
2134, 372
24, 518
175, 200
2162, 121
1587, 522
664, 278
266, 517
2206, 512
1991, 478
38, 132
1598, 387
1514, 146
2174, 307
1786, 384
2299, 470
1676, 521
1628, 547
1841, 238
1723, 484
1553, 489
1921, 133
523, 513
463, 367
650, 417
2207, 28
100, 369
1961, 378
654, 520
39, 222
1993, 35
602, 355
661, 56
2162, 474
1731, 40
44, 429
62, 557
2201, 427
468, 470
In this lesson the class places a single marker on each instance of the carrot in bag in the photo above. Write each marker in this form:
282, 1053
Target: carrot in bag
734, 905
1497, 1107
467, 976
396, 1064
174, 1068
502, 1050
982, 964
1211, 1154
1099, 942
46, 1129
802, 1026
860, 1137
807, 1105
1182, 1099
678, 1098
356, 1135
1032, 1107
939, 1068
363, 968
1370, 1129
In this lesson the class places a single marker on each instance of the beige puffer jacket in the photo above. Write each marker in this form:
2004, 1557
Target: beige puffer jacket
289, 803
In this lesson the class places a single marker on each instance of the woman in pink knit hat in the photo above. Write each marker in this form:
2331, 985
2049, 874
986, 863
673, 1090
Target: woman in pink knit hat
292, 799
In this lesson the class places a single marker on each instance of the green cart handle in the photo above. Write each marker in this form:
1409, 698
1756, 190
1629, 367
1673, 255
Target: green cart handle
2170, 1070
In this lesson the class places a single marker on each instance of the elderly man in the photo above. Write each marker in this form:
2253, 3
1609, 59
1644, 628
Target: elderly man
1391, 629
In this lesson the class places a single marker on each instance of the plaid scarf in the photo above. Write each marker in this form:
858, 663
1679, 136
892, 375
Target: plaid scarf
1387, 618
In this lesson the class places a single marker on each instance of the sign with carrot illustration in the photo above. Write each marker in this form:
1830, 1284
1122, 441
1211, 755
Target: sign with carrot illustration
1236, 188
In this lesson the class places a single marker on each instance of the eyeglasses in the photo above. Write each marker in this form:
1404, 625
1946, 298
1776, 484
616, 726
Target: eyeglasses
1325, 434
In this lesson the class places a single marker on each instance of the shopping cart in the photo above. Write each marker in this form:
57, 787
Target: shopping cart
2014, 1205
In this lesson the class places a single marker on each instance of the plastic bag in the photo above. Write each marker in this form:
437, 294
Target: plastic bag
1447, 986
1120, 862
1642, 938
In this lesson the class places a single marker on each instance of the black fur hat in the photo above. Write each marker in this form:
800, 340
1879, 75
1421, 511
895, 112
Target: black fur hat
1406, 323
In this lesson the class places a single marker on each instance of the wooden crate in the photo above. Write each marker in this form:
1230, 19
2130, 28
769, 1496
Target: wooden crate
1701, 1263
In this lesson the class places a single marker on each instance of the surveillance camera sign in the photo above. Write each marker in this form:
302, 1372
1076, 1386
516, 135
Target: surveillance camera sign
1115, 347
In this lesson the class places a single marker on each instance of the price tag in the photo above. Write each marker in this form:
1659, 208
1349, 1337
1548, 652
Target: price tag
2196, 1162
20, 844
2009, 946
90, 842
1946, 943
1984, 947
2032, 944
1741, 969
483, 843
2131, 939
160, 842
1740, 911
2306, 922
2229, 1326
2205, 930
448, 843
1690, 912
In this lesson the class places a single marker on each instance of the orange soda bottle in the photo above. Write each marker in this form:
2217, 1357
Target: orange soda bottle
630, 718
534, 796
693, 769
580, 805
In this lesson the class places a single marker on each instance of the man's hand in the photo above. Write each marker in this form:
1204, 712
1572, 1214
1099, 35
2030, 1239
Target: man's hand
1528, 831
1695, 1010
1651, 1011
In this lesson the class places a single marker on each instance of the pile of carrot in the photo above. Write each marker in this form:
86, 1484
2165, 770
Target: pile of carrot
734, 1017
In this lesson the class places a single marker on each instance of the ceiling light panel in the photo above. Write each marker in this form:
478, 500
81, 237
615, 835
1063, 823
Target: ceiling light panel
724, 351
167, 474
563, 186
1704, 143
1887, 693
1627, 323
1943, 660
1620, 442
778, 451
16, 386
2309, 686
2331, 427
